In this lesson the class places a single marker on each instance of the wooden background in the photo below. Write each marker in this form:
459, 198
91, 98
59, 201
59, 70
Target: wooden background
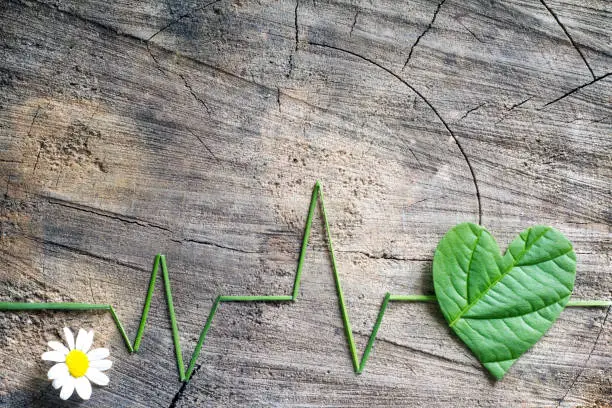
198, 129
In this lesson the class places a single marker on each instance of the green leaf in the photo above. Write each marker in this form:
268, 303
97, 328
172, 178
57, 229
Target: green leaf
498, 305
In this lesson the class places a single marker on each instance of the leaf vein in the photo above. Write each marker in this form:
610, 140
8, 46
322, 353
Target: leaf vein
488, 338
469, 267
539, 309
539, 261
526, 248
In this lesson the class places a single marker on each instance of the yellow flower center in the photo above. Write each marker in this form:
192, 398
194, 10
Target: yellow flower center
77, 363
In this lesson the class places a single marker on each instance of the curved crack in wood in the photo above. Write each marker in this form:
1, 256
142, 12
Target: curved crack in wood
567, 34
108, 28
433, 109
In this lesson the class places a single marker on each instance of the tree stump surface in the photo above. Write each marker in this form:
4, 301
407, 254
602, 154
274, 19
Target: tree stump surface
199, 129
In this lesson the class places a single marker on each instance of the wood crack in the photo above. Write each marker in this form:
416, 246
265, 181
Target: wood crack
181, 390
195, 96
385, 255
565, 95
419, 351
354, 22
148, 44
83, 252
424, 32
554, 15
213, 244
415, 157
29, 134
103, 213
516, 105
511, 108
433, 109
471, 110
297, 39
603, 324
205, 145
81, 18
161, 30
297, 29
181, 18
471, 32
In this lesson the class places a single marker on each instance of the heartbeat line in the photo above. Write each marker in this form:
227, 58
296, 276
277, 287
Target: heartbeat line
160, 261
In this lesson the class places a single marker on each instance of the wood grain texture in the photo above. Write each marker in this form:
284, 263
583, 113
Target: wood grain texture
198, 129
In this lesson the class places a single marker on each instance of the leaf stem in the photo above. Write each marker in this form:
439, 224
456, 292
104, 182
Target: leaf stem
588, 303
160, 263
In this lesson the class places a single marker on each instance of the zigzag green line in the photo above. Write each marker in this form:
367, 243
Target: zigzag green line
185, 375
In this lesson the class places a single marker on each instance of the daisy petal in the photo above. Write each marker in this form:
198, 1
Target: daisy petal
56, 356
67, 388
58, 370
90, 336
101, 365
81, 340
84, 340
98, 354
96, 376
69, 338
83, 387
57, 346
59, 381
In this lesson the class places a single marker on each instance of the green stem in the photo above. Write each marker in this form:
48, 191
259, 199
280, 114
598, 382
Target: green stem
588, 303
185, 375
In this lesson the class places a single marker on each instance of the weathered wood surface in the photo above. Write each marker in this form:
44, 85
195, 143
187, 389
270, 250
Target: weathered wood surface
198, 129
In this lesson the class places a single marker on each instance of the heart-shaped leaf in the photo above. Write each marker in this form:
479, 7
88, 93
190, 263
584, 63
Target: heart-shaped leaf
498, 305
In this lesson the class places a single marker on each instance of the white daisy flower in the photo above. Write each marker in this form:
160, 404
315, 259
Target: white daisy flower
77, 365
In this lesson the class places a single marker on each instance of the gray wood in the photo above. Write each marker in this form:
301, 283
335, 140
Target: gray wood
198, 130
